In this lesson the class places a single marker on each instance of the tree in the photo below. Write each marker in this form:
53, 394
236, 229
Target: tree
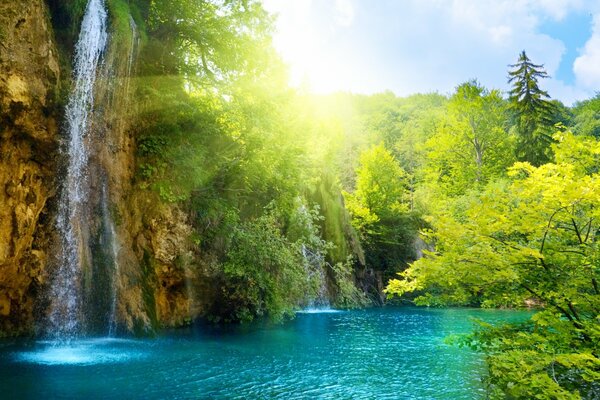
587, 117
532, 110
380, 189
531, 239
379, 208
263, 275
219, 137
207, 40
471, 145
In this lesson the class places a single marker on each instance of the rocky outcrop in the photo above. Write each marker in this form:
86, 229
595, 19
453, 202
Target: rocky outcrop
113, 167
152, 282
29, 80
168, 236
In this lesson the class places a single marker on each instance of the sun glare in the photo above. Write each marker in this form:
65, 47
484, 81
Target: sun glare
310, 65
316, 64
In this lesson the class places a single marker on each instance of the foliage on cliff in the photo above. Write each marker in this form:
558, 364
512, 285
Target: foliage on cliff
218, 137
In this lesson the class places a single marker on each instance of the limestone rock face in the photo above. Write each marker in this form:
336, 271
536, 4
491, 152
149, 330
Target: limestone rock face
29, 80
168, 238
154, 281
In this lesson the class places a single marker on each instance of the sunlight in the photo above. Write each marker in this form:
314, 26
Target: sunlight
316, 63
300, 199
310, 67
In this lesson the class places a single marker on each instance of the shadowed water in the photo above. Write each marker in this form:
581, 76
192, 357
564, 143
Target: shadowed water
387, 353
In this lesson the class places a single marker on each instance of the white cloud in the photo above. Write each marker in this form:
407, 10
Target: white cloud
412, 46
479, 39
344, 12
500, 34
587, 66
568, 94
558, 9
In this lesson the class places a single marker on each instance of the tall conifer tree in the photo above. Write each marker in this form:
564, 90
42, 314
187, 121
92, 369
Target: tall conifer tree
532, 110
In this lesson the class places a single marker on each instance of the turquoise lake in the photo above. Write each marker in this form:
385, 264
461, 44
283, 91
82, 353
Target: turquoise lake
379, 353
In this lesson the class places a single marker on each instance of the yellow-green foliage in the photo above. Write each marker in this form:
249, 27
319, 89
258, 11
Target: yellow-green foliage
335, 224
380, 189
470, 145
347, 295
532, 237
379, 208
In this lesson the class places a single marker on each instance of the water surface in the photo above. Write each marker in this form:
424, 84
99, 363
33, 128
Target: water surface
390, 353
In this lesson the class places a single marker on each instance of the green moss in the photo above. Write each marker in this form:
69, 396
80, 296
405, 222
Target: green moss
66, 18
98, 277
347, 295
119, 20
335, 225
116, 215
121, 12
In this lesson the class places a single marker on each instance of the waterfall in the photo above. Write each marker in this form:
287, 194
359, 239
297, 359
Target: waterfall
134, 44
113, 249
111, 237
315, 273
65, 317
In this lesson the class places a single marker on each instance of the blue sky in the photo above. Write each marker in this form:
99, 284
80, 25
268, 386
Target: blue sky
410, 46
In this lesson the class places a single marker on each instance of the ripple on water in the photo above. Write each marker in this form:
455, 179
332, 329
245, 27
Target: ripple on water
377, 353
81, 352
319, 311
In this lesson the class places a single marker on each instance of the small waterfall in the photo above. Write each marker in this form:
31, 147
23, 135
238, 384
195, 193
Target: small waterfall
65, 317
113, 250
135, 38
112, 239
314, 265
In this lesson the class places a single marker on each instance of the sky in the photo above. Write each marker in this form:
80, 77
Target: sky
422, 46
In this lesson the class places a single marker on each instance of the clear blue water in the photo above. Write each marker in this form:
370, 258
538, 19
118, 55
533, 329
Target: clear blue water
389, 353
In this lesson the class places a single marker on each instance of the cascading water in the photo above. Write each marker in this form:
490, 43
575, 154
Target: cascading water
110, 241
65, 308
314, 266
113, 248
134, 44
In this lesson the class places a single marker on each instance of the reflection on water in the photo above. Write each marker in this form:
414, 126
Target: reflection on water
388, 353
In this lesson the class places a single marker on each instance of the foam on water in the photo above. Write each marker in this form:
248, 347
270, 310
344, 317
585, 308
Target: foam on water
319, 311
81, 352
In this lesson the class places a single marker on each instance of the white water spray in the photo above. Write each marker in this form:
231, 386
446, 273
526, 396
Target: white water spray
314, 264
65, 308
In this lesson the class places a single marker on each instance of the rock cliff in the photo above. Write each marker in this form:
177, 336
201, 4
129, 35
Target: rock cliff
29, 83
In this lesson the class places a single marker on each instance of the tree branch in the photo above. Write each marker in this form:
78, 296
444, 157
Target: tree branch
577, 231
589, 228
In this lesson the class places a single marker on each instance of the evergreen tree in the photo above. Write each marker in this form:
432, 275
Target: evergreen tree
532, 110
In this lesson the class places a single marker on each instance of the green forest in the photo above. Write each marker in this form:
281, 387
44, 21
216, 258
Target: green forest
499, 193
476, 198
